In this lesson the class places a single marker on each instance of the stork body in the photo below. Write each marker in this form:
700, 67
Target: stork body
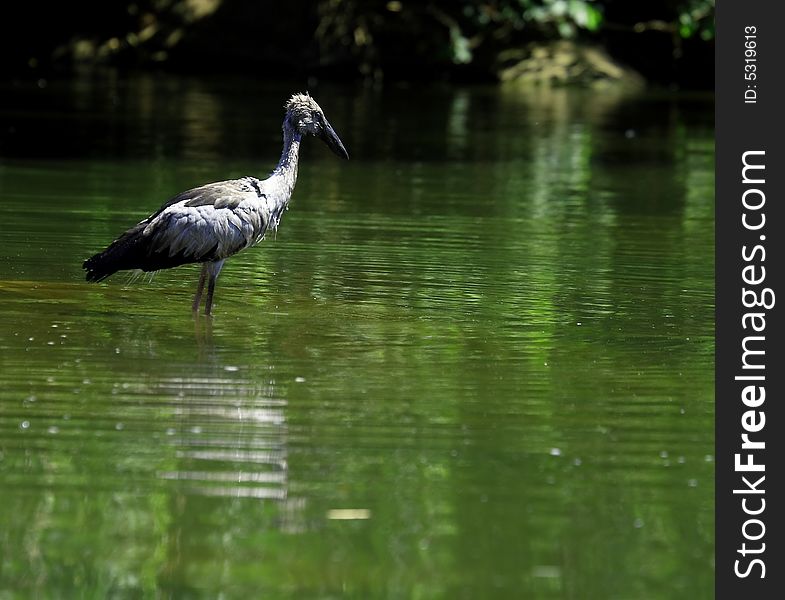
210, 223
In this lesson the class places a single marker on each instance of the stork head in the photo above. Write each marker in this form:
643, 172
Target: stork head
304, 115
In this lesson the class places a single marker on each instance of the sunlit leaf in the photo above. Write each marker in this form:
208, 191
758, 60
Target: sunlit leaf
686, 30
594, 18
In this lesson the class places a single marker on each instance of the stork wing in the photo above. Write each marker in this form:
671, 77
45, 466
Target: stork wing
210, 222
207, 223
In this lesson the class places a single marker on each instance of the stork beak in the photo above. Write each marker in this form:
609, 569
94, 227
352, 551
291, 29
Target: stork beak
332, 140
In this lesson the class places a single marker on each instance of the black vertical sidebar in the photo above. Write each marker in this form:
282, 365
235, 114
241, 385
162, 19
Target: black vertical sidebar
750, 299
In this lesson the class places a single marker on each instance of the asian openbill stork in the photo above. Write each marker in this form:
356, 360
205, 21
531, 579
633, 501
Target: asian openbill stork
208, 224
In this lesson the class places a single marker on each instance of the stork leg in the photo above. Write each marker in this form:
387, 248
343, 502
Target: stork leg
213, 269
199, 288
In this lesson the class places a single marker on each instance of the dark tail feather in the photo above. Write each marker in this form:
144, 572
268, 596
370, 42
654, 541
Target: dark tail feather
98, 268
137, 250
123, 253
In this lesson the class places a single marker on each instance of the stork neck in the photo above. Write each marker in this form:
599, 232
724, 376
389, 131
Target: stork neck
287, 166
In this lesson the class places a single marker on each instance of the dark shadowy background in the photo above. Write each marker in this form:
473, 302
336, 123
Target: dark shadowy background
666, 42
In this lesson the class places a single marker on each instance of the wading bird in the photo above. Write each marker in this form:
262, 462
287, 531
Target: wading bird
210, 223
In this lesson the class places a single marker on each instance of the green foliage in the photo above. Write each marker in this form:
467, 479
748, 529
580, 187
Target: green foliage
568, 16
562, 16
372, 39
697, 17
504, 19
474, 31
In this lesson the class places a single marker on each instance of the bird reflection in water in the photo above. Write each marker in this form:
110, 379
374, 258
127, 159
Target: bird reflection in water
230, 437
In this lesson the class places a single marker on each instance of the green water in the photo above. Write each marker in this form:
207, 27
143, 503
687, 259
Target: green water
476, 361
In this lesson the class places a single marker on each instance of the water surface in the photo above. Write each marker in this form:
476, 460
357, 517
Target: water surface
476, 361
